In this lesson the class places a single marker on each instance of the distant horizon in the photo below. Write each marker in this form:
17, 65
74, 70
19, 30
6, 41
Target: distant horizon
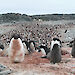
37, 14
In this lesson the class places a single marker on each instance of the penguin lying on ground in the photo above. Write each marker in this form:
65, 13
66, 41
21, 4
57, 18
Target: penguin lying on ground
44, 50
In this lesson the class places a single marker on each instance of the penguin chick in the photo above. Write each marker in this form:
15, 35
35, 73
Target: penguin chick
55, 54
16, 49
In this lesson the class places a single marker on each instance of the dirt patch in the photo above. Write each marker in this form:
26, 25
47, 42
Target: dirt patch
34, 65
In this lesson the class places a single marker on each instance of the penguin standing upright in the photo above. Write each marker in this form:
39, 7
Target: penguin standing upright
26, 46
16, 49
25, 49
30, 46
55, 53
52, 42
73, 49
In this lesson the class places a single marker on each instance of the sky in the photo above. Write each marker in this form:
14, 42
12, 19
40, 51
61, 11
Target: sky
36, 7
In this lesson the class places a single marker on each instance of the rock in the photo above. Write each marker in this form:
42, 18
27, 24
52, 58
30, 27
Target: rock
63, 52
4, 70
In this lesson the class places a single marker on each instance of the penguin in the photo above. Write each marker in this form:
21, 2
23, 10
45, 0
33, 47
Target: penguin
65, 31
55, 54
30, 46
52, 42
26, 45
73, 49
70, 44
26, 42
54, 39
44, 49
5, 52
1, 47
16, 49
8, 42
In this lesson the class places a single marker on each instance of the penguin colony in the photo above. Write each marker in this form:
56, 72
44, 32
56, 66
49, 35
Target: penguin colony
17, 49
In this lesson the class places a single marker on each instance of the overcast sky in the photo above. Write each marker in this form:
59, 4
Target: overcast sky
32, 7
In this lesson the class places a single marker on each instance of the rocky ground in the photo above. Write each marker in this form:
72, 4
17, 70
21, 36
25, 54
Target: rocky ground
33, 64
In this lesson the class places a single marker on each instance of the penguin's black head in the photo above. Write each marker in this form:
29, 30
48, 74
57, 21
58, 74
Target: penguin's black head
55, 42
41, 46
1, 46
8, 41
16, 36
54, 39
55, 46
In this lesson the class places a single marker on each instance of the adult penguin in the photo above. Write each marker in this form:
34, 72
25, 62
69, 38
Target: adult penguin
44, 49
30, 45
26, 46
